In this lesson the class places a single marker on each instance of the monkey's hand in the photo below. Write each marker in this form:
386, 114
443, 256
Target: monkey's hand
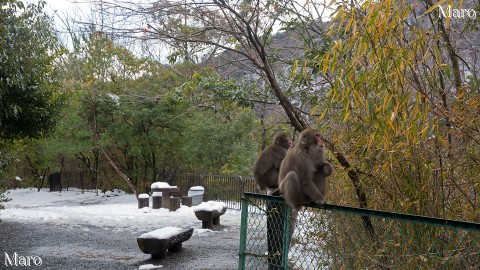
326, 169
274, 192
320, 202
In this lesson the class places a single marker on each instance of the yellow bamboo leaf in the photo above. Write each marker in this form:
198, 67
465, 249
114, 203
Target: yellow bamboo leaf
396, 109
295, 68
425, 56
390, 123
348, 25
460, 94
434, 6
322, 116
343, 95
347, 116
372, 137
386, 100
357, 96
331, 3
405, 14
341, 21
325, 62
354, 28
350, 80
447, 22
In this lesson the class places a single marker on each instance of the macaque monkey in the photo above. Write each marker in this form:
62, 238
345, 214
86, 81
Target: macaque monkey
303, 172
268, 163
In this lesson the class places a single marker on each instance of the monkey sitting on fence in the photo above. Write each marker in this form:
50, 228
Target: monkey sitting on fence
268, 163
304, 171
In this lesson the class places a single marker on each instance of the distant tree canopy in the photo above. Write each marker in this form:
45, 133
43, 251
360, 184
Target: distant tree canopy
28, 103
147, 119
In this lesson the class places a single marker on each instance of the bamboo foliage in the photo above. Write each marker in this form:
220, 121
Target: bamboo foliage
392, 104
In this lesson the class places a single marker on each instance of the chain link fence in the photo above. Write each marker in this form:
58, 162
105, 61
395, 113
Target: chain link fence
339, 237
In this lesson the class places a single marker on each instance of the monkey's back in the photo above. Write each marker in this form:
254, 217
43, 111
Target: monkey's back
267, 166
296, 161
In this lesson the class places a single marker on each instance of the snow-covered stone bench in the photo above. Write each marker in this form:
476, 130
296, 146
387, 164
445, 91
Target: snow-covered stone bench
165, 189
156, 243
165, 196
195, 196
209, 213
196, 193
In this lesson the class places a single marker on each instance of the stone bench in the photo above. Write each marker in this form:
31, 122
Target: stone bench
209, 213
143, 200
193, 200
196, 193
156, 243
187, 201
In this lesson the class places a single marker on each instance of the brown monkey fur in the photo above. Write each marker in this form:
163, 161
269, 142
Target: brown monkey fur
268, 163
303, 172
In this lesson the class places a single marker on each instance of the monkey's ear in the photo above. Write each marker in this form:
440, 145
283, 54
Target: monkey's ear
303, 140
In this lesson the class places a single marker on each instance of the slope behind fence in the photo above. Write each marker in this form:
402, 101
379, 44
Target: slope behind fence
335, 237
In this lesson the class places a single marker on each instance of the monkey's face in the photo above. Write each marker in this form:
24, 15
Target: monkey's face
310, 137
283, 140
311, 144
318, 140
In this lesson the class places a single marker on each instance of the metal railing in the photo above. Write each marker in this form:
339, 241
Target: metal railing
338, 237
227, 189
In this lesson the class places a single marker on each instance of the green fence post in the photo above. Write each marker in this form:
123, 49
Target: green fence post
275, 234
243, 235
287, 234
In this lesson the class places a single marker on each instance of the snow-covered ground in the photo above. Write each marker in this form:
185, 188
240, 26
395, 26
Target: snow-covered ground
115, 211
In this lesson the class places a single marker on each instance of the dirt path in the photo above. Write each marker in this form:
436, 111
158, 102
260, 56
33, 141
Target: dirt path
88, 247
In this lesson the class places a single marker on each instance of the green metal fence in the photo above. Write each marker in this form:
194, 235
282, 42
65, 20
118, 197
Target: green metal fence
339, 237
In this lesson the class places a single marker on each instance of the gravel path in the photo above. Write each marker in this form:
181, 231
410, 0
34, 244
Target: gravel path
89, 247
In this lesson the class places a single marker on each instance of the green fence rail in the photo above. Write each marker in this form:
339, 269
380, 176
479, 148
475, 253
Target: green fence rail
273, 236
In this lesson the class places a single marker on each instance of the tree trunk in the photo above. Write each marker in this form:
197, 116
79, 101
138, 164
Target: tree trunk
107, 156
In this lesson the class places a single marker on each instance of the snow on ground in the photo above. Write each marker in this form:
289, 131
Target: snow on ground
115, 211
150, 266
